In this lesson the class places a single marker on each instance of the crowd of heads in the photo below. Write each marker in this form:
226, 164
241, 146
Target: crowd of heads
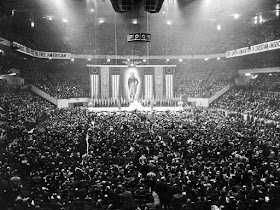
259, 98
193, 159
202, 79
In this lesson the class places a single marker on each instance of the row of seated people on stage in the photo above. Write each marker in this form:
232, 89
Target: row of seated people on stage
124, 102
205, 39
187, 160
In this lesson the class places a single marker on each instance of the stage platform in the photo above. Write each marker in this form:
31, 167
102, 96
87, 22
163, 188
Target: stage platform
128, 109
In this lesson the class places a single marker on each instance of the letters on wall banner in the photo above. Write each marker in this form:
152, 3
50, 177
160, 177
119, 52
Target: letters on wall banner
267, 46
40, 54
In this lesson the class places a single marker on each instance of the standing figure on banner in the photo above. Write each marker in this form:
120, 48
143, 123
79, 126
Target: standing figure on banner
132, 86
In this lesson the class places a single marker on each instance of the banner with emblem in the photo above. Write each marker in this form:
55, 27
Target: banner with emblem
159, 82
40, 54
105, 81
94, 81
169, 82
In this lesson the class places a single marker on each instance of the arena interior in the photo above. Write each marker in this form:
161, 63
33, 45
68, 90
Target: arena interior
139, 104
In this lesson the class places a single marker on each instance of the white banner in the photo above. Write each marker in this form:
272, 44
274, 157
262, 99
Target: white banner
4, 42
40, 54
272, 45
149, 86
115, 86
94, 85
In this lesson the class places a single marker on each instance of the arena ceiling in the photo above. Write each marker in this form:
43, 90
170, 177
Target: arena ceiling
21, 5
188, 9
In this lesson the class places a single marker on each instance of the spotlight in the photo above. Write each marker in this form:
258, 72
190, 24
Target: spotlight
236, 16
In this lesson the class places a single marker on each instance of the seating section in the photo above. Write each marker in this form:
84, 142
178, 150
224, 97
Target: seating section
260, 98
202, 79
54, 78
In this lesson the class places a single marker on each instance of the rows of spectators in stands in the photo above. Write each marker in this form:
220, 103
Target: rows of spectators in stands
183, 160
254, 102
203, 78
266, 81
53, 78
199, 78
55, 35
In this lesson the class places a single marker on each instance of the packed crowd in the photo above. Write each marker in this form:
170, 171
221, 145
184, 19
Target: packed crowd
254, 100
55, 78
267, 82
203, 78
193, 159
99, 38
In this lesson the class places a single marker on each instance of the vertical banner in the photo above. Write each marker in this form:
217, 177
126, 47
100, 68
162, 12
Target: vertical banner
104, 74
159, 82
94, 82
132, 79
115, 83
169, 85
149, 86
